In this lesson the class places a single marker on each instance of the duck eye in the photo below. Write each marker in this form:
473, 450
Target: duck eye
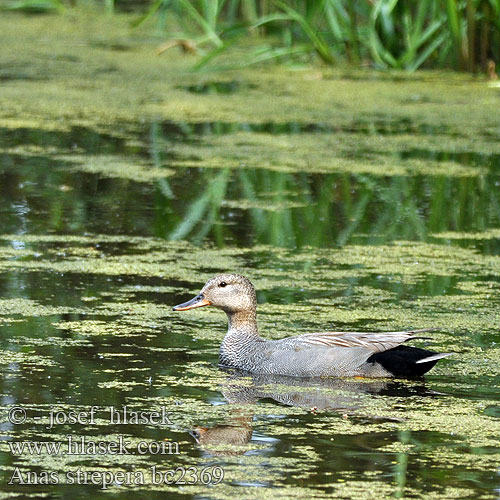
222, 284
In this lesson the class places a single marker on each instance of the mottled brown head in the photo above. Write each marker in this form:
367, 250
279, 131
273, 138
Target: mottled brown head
230, 292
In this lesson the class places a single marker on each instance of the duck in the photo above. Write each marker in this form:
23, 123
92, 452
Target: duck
321, 354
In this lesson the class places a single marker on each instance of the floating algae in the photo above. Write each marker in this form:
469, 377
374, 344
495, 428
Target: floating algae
485, 235
356, 182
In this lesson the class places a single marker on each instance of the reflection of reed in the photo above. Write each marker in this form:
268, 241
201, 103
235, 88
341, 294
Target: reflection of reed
259, 206
203, 213
401, 467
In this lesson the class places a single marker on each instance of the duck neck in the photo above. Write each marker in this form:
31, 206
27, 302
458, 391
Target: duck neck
242, 322
240, 342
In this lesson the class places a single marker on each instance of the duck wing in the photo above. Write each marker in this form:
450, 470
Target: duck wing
374, 342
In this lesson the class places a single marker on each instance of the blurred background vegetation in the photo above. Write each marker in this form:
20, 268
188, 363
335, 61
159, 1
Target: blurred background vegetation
402, 34
320, 157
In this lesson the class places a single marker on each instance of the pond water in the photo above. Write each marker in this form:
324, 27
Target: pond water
353, 201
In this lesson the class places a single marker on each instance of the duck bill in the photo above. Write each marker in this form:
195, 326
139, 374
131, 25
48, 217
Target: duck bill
198, 301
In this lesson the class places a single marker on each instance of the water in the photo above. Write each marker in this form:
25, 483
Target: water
363, 222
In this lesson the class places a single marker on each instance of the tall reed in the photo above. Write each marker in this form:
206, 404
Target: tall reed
401, 34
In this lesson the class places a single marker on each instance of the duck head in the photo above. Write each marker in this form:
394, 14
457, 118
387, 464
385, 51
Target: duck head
230, 292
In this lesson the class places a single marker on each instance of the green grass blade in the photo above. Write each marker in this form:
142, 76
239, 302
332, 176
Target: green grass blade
428, 52
198, 19
319, 44
151, 12
271, 18
213, 54
35, 6
455, 31
333, 20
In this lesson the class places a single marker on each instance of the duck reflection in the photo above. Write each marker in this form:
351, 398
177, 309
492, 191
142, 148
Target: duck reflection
338, 395
335, 394
226, 439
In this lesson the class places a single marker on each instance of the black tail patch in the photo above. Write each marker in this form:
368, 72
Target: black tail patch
401, 361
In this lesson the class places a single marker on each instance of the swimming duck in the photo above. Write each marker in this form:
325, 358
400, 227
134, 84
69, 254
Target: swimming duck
340, 354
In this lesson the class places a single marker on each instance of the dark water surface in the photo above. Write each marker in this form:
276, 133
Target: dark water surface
92, 264
379, 221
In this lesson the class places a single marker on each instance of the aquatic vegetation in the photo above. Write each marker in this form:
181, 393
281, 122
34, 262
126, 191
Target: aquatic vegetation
122, 168
485, 235
17, 360
374, 145
141, 352
132, 180
28, 308
388, 34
